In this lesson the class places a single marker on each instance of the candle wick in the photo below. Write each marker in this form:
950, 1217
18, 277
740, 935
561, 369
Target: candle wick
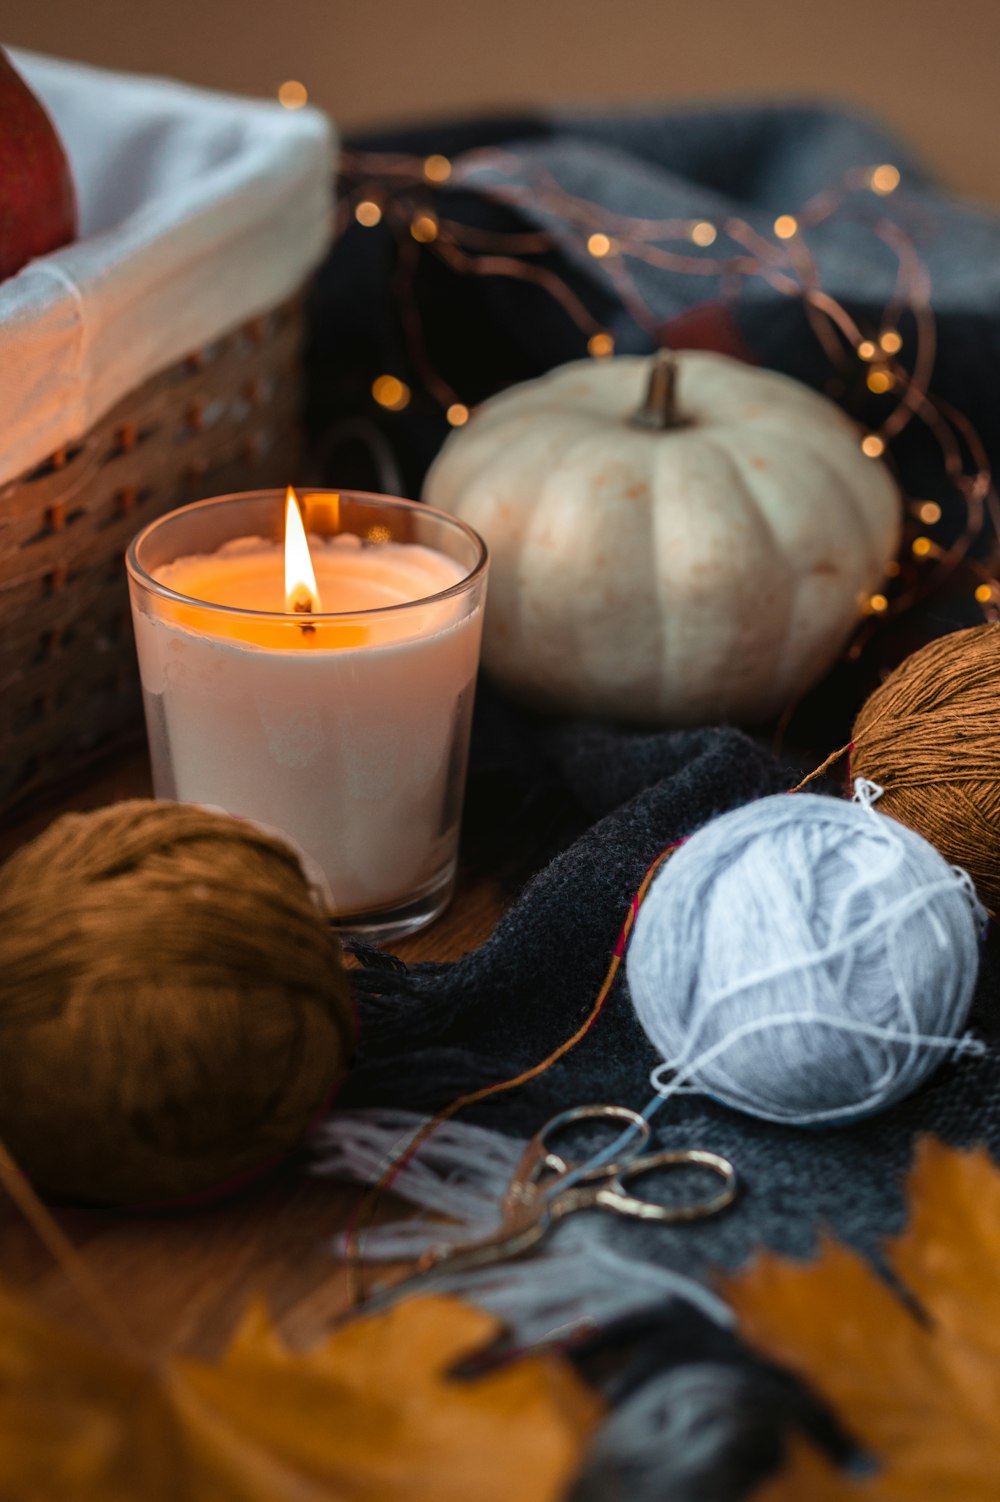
304, 607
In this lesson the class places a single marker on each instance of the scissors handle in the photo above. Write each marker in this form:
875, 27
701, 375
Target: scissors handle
613, 1193
526, 1209
539, 1158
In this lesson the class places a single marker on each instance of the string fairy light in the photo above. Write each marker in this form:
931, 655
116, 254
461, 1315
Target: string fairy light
424, 228
390, 392
601, 345
368, 213
879, 380
292, 94
400, 193
437, 168
884, 179
599, 245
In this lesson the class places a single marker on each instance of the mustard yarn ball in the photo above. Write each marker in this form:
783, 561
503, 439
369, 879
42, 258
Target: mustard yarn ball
929, 736
173, 1008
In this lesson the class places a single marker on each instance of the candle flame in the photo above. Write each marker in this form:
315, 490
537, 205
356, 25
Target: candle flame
301, 594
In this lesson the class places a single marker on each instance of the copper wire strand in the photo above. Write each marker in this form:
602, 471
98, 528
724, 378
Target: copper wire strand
540, 276
408, 255
399, 184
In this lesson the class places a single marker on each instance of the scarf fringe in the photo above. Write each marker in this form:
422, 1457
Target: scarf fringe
462, 1172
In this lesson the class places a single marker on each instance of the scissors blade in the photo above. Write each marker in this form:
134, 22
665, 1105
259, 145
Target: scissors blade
526, 1183
514, 1237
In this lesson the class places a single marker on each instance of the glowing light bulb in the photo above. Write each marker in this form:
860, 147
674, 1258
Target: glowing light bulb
457, 414
368, 213
984, 593
390, 392
601, 345
922, 547
872, 446
884, 179
929, 512
599, 245
703, 233
891, 342
292, 94
878, 604
879, 381
785, 226
866, 350
424, 228
437, 168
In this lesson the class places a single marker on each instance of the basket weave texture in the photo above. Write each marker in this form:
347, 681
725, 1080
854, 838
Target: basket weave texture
225, 419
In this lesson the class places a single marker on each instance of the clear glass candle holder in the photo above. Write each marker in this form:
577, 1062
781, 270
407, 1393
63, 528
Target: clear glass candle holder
346, 729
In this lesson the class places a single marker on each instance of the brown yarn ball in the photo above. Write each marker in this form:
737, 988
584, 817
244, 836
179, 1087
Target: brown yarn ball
930, 736
173, 1007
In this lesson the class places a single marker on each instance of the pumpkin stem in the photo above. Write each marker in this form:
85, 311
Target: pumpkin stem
658, 413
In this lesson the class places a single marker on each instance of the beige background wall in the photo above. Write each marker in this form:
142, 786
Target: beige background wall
931, 68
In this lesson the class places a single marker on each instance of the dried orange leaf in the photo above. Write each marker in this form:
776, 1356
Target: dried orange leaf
370, 1413
809, 1477
918, 1388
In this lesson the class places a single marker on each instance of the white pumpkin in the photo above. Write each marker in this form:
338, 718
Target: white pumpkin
672, 563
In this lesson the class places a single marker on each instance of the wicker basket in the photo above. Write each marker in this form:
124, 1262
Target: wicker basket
226, 418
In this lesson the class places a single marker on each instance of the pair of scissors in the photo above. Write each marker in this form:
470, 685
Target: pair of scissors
546, 1187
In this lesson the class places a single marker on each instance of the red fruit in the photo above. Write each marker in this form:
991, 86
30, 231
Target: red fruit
37, 200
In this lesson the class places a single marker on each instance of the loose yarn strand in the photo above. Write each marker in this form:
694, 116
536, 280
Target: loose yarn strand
688, 1070
407, 1149
824, 766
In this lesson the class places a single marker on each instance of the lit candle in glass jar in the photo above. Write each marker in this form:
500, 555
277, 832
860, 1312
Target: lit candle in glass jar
322, 686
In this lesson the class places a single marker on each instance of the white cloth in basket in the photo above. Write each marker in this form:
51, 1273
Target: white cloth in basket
198, 210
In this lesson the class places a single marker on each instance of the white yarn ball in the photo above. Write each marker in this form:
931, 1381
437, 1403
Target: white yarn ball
805, 959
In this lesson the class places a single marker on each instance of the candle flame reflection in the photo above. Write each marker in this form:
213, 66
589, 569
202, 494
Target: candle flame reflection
301, 594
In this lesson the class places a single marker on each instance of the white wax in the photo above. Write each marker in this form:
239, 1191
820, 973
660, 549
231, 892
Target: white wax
355, 751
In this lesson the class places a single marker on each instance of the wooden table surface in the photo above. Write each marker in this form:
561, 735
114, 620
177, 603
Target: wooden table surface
181, 1279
